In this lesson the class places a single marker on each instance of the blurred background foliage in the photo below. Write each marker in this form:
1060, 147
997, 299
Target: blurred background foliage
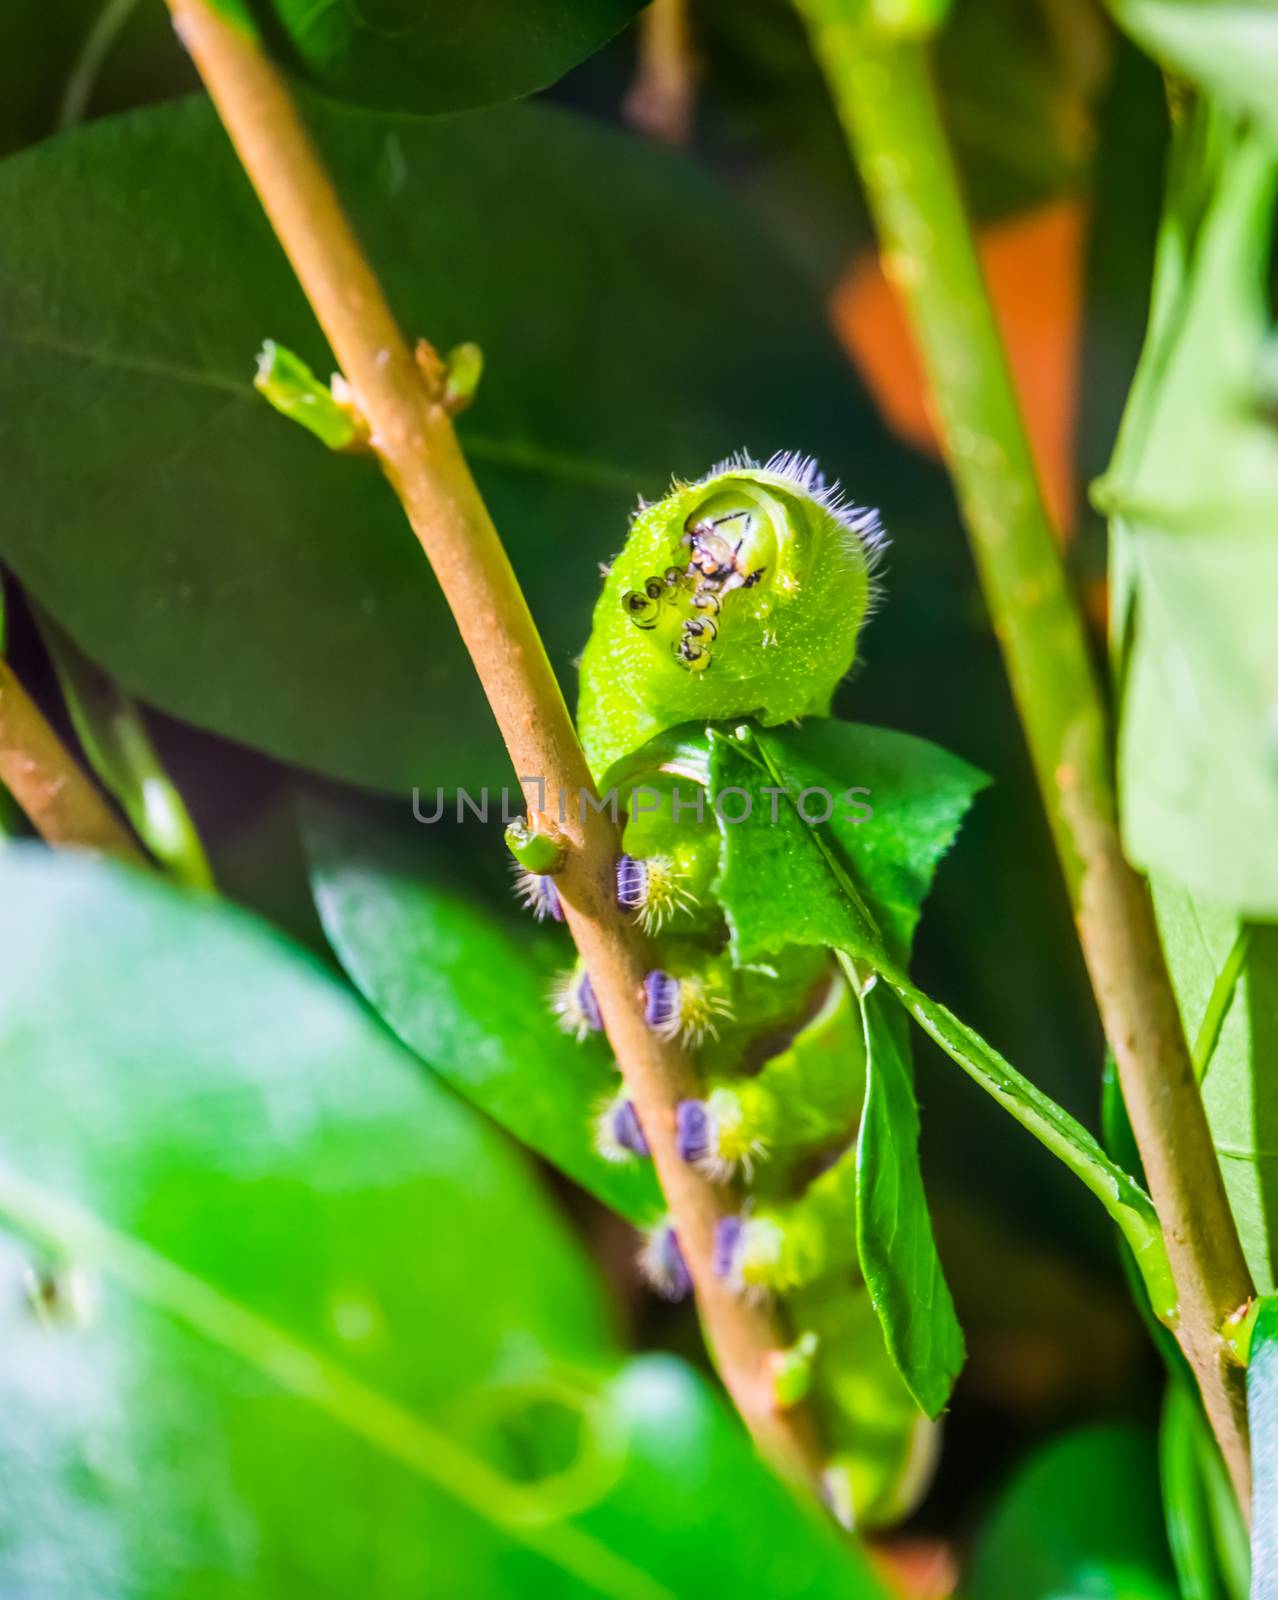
644, 310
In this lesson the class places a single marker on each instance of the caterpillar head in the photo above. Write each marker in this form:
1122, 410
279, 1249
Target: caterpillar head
739, 595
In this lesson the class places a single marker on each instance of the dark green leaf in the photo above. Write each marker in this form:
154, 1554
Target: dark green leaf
1081, 1519
428, 56
223, 566
893, 1228
460, 989
280, 1315
1020, 135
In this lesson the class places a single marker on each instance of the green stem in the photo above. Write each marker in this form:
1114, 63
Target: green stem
118, 747
883, 90
1127, 1203
107, 723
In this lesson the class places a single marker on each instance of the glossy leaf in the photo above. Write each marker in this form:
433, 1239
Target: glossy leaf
466, 990
429, 56
223, 566
1225, 973
1080, 1519
282, 1314
275, 1207
717, 1521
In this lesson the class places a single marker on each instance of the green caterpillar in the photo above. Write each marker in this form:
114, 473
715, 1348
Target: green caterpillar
741, 596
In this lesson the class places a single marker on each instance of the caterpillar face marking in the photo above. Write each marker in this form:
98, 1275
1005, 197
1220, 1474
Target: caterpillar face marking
715, 557
643, 606
714, 570
691, 654
777, 558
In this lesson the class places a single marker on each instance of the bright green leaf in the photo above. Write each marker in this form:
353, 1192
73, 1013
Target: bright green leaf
919, 795
225, 567
1127, 1203
1080, 1521
455, 984
720, 1523
282, 1316
286, 1224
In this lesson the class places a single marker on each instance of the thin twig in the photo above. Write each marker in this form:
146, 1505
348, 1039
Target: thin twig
663, 97
48, 783
99, 42
886, 99
414, 438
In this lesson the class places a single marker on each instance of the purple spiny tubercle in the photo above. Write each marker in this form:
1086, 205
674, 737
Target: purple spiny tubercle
663, 1264
626, 1130
660, 1000
693, 1130
632, 883
727, 1239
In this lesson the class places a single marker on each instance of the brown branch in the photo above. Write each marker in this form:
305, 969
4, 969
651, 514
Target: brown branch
48, 783
414, 438
663, 97
885, 96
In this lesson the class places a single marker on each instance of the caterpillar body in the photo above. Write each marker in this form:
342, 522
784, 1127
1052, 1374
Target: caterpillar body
740, 597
